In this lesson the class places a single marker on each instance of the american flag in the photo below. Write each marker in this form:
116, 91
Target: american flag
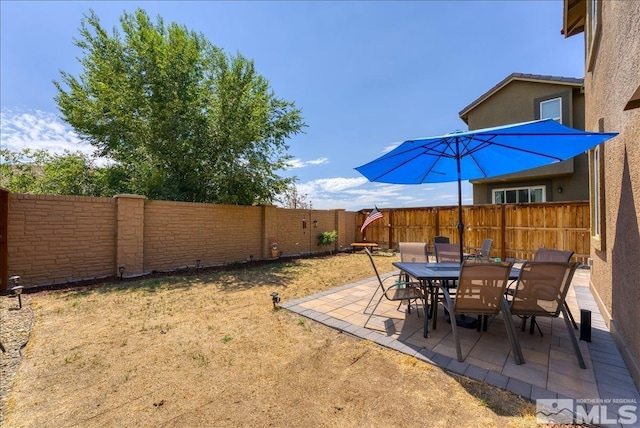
373, 216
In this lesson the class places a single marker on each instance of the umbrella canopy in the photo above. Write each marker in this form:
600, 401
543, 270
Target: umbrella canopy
478, 154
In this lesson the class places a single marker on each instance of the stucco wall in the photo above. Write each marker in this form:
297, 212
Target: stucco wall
615, 276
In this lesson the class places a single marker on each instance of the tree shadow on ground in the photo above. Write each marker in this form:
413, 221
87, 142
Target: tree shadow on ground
234, 276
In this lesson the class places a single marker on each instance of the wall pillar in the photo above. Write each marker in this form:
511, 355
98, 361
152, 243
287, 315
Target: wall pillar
129, 235
269, 229
341, 228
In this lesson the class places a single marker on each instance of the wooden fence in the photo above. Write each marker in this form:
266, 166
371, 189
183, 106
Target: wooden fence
517, 230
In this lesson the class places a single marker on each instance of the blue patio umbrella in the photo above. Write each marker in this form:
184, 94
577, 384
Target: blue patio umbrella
482, 153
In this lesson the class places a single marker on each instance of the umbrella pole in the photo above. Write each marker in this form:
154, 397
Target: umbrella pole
460, 223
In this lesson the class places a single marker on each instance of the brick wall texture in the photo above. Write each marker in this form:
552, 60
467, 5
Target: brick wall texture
60, 239
57, 239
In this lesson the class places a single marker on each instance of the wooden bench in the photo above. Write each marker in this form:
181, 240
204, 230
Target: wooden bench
359, 245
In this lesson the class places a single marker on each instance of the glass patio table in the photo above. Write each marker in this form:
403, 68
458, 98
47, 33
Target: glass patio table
430, 276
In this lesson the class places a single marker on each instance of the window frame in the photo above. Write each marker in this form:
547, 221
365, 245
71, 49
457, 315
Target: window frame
566, 98
543, 188
593, 29
597, 198
542, 102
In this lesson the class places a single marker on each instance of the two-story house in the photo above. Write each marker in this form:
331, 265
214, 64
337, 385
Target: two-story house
522, 98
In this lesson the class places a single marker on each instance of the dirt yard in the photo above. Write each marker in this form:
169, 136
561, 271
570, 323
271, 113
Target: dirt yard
210, 350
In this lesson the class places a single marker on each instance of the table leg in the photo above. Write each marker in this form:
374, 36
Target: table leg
425, 328
427, 309
434, 304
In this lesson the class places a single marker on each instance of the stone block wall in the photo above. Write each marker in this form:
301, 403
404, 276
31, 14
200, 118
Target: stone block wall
60, 239
56, 239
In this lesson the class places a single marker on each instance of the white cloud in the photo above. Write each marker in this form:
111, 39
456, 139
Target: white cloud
296, 163
37, 129
390, 147
319, 161
357, 193
299, 163
337, 184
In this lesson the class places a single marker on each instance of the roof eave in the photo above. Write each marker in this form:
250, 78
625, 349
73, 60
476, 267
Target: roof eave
574, 17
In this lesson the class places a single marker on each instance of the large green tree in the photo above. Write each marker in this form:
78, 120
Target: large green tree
187, 121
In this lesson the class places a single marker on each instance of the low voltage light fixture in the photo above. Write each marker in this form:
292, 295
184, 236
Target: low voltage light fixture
275, 299
17, 289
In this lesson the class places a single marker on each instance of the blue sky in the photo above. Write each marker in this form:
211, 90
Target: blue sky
366, 74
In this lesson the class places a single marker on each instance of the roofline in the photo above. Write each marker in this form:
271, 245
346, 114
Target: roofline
536, 78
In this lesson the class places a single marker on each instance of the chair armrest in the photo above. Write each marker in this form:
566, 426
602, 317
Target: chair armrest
400, 283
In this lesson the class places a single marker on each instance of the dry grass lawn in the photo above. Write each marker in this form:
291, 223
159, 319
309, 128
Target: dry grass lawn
210, 350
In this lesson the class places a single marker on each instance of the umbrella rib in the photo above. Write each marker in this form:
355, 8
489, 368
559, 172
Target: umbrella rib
428, 150
516, 148
472, 151
442, 153
403, 163
488, 142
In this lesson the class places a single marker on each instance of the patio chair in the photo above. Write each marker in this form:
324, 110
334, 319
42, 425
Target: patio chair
549, 255
413, 252
481, 253
541, 292
441, 240
481, 288
546, 255
400, 291
446, 252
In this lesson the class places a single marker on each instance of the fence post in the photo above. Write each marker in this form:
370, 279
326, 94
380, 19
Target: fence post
129, 235
503, 232
391, 210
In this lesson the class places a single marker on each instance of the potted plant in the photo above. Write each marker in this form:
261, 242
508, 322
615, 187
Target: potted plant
327, 238
274, 247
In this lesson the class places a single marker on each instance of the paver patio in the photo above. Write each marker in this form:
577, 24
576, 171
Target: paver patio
551, 369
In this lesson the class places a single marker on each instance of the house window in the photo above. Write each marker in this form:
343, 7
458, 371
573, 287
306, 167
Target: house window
597, 199
592, 32
519, 195
551, 109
